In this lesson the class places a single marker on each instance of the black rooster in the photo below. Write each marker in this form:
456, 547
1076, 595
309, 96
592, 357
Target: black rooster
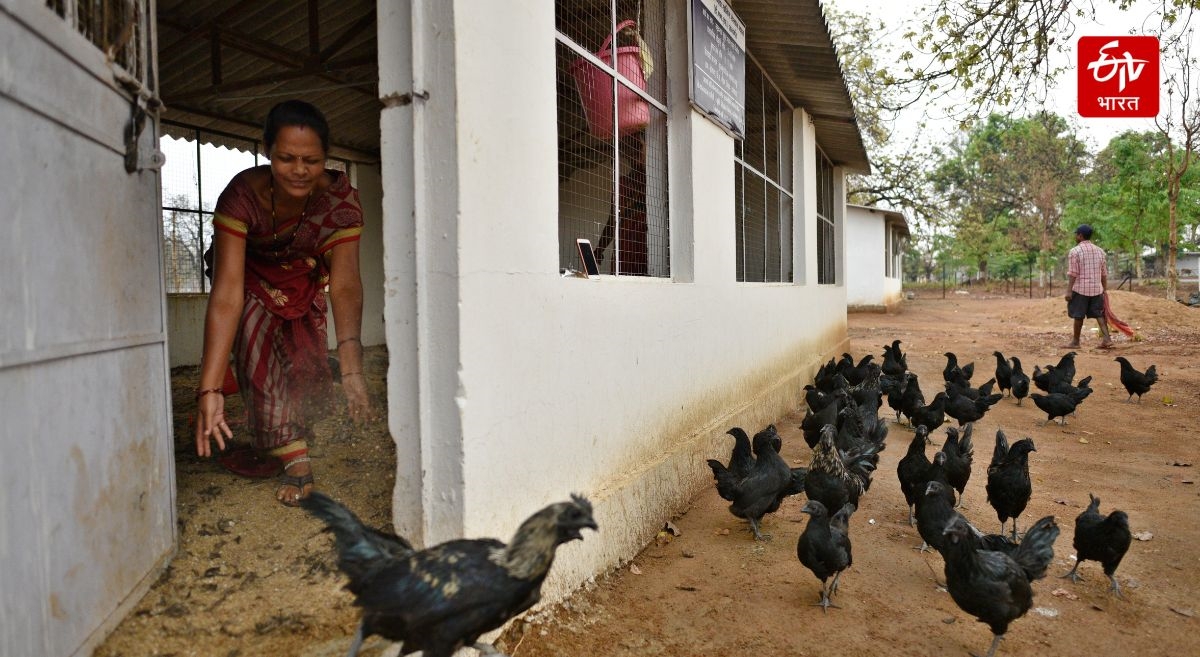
1019, 381
766, 483
741, 461
1135, 382
992, 586
824, 547
1008, 485
443, 598
1003, 372
1101, 538
959, 453
912, 471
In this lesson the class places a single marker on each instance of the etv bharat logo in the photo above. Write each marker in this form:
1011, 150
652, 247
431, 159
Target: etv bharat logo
1118, 76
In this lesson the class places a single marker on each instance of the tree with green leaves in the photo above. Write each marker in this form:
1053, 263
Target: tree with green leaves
1180, 119
1124, 196
1007, 181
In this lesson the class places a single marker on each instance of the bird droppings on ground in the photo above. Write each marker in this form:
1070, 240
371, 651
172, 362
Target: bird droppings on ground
1143, 536
1048, 612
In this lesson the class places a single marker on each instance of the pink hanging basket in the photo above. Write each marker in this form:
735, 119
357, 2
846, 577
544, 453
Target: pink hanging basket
596, 90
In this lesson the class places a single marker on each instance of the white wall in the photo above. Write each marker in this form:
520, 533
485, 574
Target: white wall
87, 518
185, 312
865, 281
510, 387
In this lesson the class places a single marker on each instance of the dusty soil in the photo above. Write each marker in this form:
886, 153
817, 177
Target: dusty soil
253, 578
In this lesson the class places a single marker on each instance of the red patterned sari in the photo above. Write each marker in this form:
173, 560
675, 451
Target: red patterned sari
280, 353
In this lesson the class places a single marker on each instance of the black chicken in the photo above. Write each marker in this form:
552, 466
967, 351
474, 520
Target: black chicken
834, 478
1019, 381
1055, 405
894, 363
952, 371
766, 484
812, 423
1101, 538
741, 461
964, 409
933, 415
824, 547
443, 598
912, 399
856, 374
993, 586
912, 471
959, 453
1135, 382
1008, 485
1003, 372
935, 509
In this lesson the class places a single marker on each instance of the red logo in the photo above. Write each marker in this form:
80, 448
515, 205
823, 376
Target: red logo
1118, 76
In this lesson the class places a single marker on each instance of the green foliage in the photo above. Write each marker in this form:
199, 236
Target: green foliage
1007, 180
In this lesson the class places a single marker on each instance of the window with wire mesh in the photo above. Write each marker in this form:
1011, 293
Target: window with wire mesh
199, 165
612, 134
117, 27
763, 183
826, 235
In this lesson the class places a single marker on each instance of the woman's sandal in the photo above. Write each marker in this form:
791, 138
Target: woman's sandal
296, 481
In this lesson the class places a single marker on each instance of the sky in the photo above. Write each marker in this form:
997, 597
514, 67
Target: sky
1110, 21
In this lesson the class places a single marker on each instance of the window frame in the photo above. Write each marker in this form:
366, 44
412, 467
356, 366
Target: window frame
656, 160
781, 185
826, 220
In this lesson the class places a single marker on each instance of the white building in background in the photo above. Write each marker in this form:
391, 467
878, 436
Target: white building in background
477, 146
875, 242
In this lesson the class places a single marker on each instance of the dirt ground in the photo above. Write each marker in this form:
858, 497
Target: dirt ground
253, 578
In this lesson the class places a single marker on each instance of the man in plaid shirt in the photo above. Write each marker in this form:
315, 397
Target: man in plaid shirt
1088, 278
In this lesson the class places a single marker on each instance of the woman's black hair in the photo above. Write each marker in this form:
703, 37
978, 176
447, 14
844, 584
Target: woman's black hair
297, 113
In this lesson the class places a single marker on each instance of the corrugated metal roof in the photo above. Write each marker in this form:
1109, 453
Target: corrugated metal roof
790, 39
266, 54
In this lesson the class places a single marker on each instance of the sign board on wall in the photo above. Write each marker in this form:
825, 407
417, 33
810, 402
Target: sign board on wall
718, 64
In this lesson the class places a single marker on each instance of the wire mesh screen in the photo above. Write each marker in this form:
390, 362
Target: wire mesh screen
826, 236
763, 184
117, 27
612, 135
192, 179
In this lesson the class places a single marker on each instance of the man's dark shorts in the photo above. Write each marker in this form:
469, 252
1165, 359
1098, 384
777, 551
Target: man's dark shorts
1081, 306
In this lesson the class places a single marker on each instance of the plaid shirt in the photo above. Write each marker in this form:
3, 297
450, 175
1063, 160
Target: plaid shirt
1086, 263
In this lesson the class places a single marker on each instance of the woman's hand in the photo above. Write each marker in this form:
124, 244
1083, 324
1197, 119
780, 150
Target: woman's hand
358, 404
210, 423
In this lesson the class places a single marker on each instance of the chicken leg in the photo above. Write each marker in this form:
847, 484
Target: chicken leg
825, 602
1115, 588
487, 650
758, 536
995, 644
1073, 576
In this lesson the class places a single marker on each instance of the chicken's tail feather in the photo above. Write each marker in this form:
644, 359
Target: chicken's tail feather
1037, 549
726, 482
359, 547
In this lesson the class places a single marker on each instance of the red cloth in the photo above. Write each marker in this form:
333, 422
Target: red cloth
1113, 321
280, 352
